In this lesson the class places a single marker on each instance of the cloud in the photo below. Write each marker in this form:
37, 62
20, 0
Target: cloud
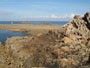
69, 16
72, 15
53, 16
8, 15
15, 15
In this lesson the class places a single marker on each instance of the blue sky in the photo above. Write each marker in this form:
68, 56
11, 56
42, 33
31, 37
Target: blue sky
42, 9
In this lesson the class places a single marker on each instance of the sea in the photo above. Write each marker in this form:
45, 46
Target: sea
35, 22
5, 34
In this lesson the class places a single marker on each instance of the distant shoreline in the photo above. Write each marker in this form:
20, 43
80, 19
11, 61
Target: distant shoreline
35, 22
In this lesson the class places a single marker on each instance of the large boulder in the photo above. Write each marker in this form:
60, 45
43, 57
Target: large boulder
78, 30
77, 37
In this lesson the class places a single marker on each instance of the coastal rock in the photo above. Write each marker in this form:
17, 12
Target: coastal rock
78, 30
79, 33
77, 27
87, 17
88, 44
77, 17
67, 40
74, 56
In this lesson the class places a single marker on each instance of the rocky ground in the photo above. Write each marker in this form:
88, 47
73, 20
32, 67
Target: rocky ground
68, 47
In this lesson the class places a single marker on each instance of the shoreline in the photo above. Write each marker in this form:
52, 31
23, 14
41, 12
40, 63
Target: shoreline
29, 29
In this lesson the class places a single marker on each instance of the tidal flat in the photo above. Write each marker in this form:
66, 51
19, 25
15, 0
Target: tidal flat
28, 28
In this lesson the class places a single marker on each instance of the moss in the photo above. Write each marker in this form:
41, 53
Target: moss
78, 43
87, 46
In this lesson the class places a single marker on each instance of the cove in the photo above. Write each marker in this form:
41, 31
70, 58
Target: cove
5, 34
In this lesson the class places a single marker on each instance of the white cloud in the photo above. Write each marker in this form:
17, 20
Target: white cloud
13, 15
53, 16
72, 15
69, 16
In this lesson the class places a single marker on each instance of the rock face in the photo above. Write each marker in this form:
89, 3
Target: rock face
67, 48
77, 36
87, 19
78, 31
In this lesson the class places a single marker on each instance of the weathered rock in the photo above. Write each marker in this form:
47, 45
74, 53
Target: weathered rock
74, 56
87, 19
77, 17
78, 31
77, 27
67, 41
88, 44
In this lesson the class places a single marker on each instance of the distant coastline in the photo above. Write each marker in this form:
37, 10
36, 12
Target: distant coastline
35, 22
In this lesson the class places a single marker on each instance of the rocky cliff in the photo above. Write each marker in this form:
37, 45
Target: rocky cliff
67, 48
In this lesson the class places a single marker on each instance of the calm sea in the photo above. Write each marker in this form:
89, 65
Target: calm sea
5, 34
35, 22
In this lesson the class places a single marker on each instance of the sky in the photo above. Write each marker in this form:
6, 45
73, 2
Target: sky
42, 9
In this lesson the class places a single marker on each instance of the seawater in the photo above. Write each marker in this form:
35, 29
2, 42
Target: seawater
5, 34
35, 22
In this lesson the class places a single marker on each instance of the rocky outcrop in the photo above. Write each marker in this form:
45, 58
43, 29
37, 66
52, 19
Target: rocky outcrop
77, 35
67, 48
78, 30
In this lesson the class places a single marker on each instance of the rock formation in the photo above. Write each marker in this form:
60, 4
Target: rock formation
67, 48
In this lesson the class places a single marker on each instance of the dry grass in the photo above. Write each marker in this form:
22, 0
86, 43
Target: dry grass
6, 61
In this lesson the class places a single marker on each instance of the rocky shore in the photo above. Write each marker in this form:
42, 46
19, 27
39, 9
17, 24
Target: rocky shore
67, 47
